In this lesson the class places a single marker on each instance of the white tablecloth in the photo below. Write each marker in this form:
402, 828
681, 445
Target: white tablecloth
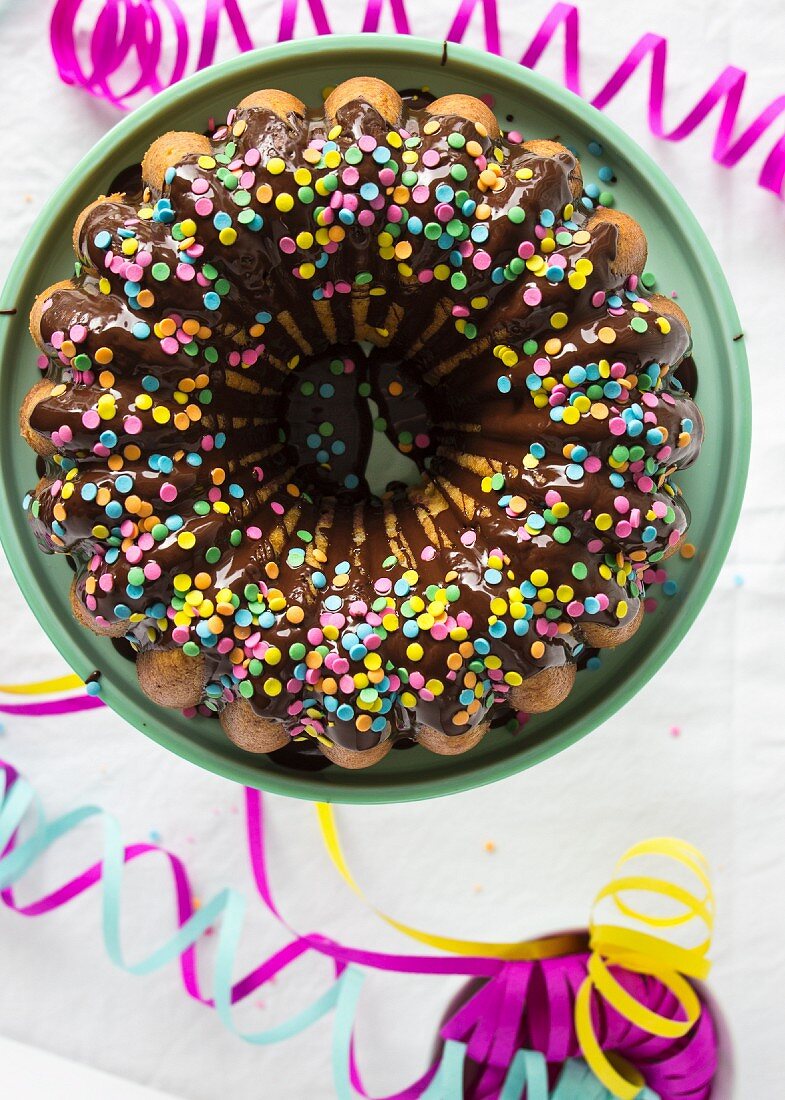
707, 734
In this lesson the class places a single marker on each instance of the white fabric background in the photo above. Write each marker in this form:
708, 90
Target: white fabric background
557, 829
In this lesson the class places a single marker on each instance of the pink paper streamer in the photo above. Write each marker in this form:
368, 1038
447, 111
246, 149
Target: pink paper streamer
520, 1004
144, 32
51, 707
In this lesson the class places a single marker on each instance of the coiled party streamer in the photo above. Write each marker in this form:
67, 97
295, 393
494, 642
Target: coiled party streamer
516, 1032
151, 30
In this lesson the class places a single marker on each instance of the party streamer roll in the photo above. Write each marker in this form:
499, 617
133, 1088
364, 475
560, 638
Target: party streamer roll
660, 1005
149, 31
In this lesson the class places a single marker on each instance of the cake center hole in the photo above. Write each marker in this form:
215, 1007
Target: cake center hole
355, 425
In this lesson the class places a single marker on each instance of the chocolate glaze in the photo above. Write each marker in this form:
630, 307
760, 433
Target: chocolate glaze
439, 376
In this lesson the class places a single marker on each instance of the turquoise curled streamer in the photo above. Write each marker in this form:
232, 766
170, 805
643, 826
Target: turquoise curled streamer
527, 1074
228, 905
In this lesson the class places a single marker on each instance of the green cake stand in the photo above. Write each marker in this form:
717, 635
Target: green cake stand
678, 247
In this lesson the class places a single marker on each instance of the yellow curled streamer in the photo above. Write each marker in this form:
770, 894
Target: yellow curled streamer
44, 687
648, 953
543, 948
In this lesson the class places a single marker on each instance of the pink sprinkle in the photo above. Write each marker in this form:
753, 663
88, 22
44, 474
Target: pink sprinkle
532, 296
420, 193
598, 298
134, 272
367, 143
386, 179
428, 554
200, 185
592, 464
168, 492
170, 345
623, 529
542, 366
91, 419
184, 273
132, 425
203, 207
617, 426
481, 260
152, 571
287, 245
468, 538
350, 176
77, 333
430, 158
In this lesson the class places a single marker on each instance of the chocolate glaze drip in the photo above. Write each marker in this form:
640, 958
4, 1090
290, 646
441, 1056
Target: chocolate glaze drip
249, 425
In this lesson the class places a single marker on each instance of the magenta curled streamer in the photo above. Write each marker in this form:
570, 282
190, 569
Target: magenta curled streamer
144, 35
518, 1005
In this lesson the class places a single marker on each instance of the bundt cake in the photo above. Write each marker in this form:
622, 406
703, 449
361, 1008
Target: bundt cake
204, 422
